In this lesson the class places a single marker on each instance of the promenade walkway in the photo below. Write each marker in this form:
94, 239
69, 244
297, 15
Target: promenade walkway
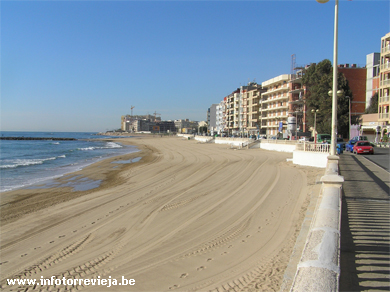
365, 230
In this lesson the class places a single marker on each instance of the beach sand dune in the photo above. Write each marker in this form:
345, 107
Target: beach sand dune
186, 217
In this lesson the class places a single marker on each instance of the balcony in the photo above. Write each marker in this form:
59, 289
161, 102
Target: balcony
276, 90
384, 99
385, 66
386, 50
276, 107
383, 116
385, 82
297, 101
277, 98
297, 90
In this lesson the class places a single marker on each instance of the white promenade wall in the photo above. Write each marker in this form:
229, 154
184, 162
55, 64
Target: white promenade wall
314, 159
306, 158
186, 136
319, 266
239, 142
277, 147
203, 139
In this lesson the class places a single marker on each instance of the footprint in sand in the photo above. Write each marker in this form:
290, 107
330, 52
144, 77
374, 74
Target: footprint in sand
37, 247
230, 246
224, 253
3, 263
61, 236
174, 287
23, 255
184, 275
209, 259
201, 268
74, 230
51, 241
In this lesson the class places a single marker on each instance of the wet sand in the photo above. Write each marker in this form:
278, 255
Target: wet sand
187, 216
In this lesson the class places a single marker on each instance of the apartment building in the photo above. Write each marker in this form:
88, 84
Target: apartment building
186, 126
251, 95
372, 78
221, 116
212, 119
274, 105
232, 112
296, 100
384, 86
357, 81
127, 121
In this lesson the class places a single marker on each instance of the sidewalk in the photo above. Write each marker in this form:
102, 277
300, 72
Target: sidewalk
365, 225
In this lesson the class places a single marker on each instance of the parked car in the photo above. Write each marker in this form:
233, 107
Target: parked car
362, 147
349, 145
360, 138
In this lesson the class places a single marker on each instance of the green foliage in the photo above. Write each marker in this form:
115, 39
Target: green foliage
373, 108
318, 80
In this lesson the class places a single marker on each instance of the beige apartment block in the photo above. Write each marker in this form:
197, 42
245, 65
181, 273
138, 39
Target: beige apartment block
232, 106
274, 105
384, 86
252, 100
297, 104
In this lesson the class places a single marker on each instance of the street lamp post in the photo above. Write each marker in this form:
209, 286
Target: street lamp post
315, 123
349, 117
334, 96
296, 126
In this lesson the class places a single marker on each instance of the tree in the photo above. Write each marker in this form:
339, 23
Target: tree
373, 108
318, 80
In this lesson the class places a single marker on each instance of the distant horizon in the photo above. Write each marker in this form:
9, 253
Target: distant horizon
78, 66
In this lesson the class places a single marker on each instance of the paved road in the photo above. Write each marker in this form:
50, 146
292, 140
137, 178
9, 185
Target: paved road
365, 226
381, 157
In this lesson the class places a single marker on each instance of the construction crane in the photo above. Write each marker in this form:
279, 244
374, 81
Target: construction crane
132, 111
155, 116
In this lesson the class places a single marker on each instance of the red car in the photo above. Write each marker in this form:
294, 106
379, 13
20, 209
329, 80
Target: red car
362, 147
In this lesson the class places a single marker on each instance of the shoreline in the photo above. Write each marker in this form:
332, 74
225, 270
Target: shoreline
187, 216
11, 201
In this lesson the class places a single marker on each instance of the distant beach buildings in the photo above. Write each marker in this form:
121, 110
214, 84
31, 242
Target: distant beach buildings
277, 107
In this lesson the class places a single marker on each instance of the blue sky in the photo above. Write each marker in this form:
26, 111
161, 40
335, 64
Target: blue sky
80, 65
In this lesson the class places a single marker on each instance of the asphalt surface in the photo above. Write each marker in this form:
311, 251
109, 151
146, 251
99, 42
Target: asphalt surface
365, 222
380, 157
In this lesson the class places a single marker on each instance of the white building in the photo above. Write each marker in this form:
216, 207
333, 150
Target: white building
220, 117
372, 79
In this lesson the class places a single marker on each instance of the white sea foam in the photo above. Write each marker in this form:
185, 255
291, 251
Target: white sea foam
112, 145
109, 145
13, 163
87, 148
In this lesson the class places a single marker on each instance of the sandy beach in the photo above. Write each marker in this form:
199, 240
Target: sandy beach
186, 217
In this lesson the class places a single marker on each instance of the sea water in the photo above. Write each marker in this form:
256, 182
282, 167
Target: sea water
29, 162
